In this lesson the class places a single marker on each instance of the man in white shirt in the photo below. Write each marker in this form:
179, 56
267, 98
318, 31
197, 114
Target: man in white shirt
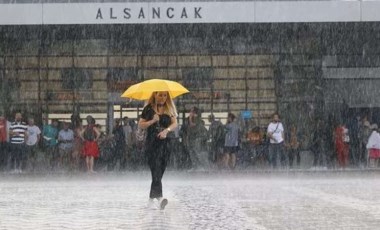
275, 133
34, 135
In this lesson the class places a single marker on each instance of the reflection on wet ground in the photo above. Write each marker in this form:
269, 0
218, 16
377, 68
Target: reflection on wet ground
240, 200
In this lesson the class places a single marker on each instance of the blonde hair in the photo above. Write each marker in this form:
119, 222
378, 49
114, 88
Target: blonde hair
170, 108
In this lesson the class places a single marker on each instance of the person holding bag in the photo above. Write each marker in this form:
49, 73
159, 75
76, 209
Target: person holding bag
159, 117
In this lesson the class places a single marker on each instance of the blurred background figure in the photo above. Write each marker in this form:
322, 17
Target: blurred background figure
34, 136
216, 136
373, 147
293, 146
194, 137
275, 133
18, 136
342, 144
129, 141
176, 150
50, 135
255, 139
119, 159
3, 141
317, 145
90, 135
76, 125
353, 125
364, 134
66, 147
231, 143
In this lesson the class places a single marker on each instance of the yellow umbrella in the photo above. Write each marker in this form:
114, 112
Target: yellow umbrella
143, 90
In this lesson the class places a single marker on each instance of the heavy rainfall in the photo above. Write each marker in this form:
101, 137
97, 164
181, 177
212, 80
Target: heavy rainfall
279, 129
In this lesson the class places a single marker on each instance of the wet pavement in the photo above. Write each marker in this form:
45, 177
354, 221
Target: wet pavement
217, 200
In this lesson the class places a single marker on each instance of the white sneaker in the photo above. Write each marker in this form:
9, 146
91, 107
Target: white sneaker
151, 204
163, 202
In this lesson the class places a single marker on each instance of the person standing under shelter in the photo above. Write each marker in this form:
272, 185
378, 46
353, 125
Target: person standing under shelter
120, 145
34, 136
364, 134
90, 135
255, 140
128, 139
66, 145
275, 132
231, 142
293, 146
317, 145
342, 148
76, 126
373, 147
18, 135
216, 135
50, 134
3, 142
194, 135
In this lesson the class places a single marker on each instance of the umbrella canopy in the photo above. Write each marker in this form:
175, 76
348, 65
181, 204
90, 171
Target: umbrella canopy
143, 90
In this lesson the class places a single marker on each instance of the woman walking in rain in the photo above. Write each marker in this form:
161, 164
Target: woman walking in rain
158, 118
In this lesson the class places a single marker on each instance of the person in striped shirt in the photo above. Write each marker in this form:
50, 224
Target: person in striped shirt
18, 135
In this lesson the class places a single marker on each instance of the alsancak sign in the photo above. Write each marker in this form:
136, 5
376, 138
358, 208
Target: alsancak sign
189, 12
158, 12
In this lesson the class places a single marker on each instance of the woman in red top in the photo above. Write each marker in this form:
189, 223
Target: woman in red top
90, 135
3, 141
341, 145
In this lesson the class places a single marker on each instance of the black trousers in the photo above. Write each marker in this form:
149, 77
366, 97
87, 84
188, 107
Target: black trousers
319, 155
363, 154
158, 156
294, 153
17, 155
3, 154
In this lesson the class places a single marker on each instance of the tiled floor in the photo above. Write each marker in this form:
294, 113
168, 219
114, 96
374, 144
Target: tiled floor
196, 201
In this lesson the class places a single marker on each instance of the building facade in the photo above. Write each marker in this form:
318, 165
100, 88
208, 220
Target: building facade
308, 67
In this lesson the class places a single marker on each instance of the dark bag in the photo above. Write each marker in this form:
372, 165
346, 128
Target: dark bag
141, 135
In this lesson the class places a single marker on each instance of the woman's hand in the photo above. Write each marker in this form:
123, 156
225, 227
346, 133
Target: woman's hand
163, 134
156, 118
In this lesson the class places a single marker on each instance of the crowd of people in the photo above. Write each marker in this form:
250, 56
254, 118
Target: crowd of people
75, 146
63, 144
333, 144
